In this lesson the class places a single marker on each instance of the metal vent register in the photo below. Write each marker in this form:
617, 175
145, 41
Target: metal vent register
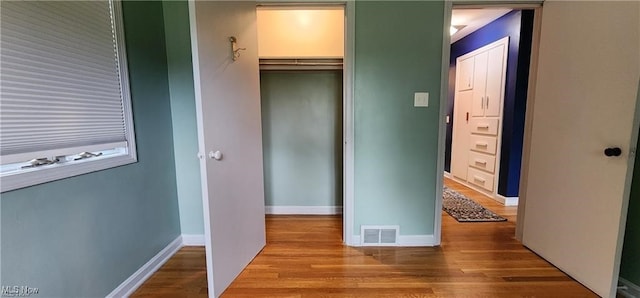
379, 235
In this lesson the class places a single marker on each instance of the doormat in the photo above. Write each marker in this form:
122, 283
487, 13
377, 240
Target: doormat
464, 209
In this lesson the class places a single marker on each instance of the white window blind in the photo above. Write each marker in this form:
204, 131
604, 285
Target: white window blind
63, 84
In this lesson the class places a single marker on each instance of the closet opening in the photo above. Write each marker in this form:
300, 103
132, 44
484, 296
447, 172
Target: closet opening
301, 51
489, 66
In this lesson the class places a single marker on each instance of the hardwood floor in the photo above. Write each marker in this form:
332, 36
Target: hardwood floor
304, 257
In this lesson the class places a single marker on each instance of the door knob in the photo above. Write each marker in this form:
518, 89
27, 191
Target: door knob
217, 155
613, 151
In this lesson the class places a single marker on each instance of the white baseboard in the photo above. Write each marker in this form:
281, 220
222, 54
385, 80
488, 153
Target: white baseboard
416, 240
404, 240
632, 291
305, 210
507, 201
192, 239
131, 284
447, 174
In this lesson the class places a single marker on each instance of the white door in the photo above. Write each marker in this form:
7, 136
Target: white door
460, 134
464, 74
496, 69
479, 84
228, 102
585, 101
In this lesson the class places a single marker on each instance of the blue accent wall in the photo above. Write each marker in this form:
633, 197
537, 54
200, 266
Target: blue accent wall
83, 236
518, 25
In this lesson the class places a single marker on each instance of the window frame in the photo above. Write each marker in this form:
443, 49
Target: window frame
47, 173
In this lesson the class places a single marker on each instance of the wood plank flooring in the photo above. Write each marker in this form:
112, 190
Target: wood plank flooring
304, 257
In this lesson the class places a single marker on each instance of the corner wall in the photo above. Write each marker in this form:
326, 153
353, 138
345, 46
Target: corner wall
83, 236
398, 51
183, 116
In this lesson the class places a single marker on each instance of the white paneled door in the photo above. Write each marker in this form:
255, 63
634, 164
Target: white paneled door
230, 136
585, 102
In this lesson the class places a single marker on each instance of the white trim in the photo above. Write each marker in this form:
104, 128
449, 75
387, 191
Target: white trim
528, 121
632, 290
192, 239
308, 210
61, 171
631, 158
131, 284
417, 240
442, 127
125, 85
409, 241
507, 201
348, 126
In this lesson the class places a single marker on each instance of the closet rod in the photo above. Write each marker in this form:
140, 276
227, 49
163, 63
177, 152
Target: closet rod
302, 63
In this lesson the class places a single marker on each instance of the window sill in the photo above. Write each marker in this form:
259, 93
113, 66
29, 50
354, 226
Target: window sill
13, 181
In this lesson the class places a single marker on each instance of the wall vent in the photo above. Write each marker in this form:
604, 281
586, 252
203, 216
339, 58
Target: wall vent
379, 235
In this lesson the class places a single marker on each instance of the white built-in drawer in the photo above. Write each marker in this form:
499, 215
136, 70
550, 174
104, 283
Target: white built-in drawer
483, 144
482, 161
481, 179
484, 126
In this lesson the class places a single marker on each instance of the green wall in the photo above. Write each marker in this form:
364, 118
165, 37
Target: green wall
302, 137
83, 236
630, 266
183, 112
398, 51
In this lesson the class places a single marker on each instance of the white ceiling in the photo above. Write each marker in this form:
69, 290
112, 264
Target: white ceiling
474, 19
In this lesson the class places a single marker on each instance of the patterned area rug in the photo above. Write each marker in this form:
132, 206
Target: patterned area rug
464, 209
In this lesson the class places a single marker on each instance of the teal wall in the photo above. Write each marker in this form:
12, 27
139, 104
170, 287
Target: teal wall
398, 51
630, 266
83, 236
302, 137
183, 112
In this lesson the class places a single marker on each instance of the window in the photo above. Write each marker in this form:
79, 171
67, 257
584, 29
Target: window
65, 107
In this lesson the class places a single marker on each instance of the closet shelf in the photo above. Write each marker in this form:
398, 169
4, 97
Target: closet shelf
301, 64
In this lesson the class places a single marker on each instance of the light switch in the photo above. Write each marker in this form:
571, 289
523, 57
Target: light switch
421, 99
447, 118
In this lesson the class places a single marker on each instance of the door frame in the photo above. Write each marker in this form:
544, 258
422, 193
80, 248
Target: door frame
533, 70
348, 67
444, 95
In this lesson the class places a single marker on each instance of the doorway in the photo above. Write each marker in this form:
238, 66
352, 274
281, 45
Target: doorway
487, 98
301, 52
569, 162
227, 83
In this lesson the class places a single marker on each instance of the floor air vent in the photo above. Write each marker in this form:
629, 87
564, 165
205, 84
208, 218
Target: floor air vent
379, 235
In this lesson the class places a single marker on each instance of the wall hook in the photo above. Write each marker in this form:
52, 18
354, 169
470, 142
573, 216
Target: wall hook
234, 48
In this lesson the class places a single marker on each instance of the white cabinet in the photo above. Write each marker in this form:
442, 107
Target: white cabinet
484, 126
461, 131
488, 76
464, 74
477, 122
